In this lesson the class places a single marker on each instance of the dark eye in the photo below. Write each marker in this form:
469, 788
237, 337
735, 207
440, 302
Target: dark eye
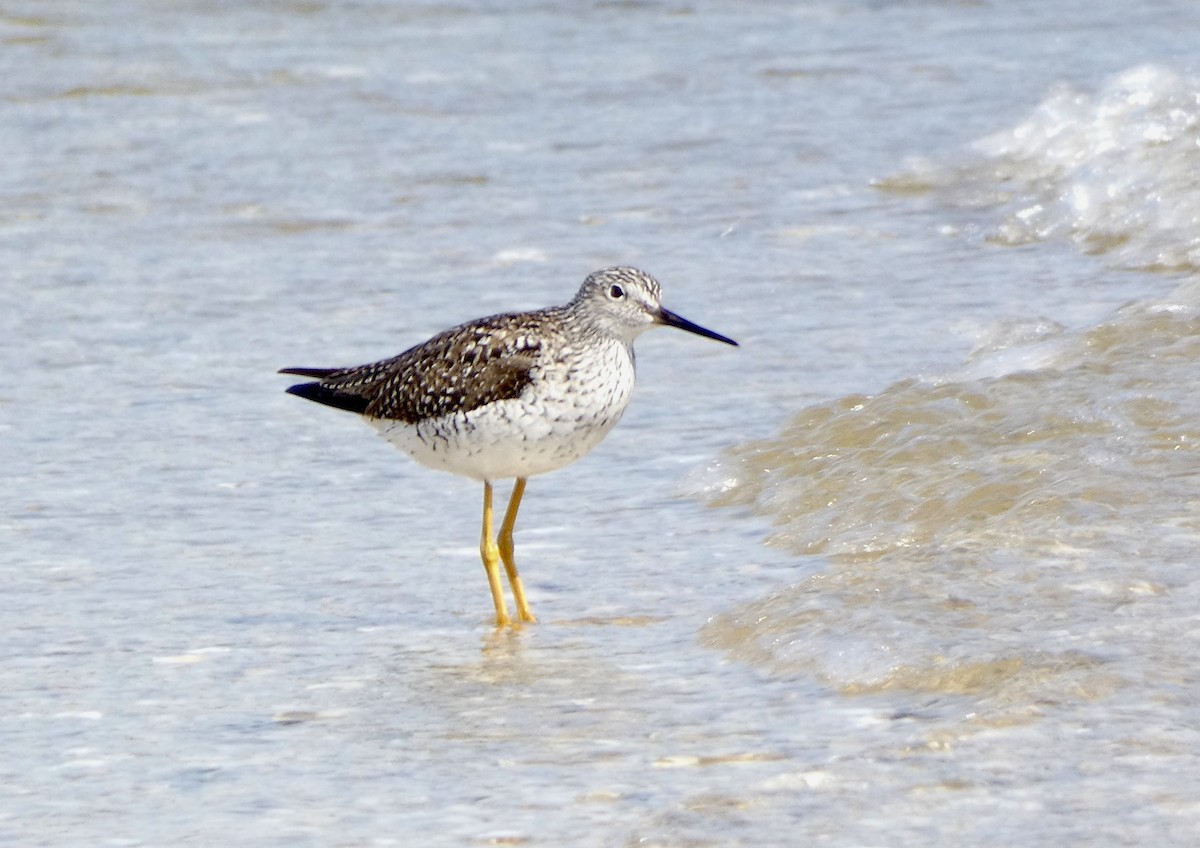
616, 292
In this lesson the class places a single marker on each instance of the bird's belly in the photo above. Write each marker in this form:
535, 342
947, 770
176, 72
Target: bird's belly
553, 424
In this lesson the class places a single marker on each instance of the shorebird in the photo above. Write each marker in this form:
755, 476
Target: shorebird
509, 396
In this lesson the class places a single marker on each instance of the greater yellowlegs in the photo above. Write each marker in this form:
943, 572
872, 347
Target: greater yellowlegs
511, 395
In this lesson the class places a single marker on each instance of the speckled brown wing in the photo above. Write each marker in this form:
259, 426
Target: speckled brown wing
455, 371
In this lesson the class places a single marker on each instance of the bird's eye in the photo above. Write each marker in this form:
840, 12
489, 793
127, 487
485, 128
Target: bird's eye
616, 292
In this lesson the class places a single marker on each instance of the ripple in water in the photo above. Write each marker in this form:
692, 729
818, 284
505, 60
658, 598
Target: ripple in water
1022, 531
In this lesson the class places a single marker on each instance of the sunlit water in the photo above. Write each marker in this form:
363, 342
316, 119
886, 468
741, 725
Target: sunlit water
956, 242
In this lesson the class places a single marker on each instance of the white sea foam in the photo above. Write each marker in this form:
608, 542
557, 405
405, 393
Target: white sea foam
1115, 171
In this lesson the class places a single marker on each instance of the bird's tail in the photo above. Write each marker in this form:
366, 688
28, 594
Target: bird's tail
321, 393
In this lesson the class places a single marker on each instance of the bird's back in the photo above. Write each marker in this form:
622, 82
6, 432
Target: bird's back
456, 371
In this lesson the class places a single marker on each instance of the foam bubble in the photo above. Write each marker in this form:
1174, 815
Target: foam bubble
1115, 172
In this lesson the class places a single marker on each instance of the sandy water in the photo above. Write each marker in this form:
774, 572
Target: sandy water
956, 242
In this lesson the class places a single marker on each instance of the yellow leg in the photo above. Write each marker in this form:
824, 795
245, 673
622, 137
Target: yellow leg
506, 550
491, 559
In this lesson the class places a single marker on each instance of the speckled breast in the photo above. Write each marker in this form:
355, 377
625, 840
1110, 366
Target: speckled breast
576, 396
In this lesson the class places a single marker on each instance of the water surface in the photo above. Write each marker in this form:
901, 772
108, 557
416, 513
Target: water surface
956, 242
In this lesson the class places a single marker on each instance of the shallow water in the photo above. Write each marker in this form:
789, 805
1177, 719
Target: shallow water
956, 242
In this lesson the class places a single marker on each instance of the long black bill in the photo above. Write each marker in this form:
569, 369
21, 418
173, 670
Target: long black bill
666, 316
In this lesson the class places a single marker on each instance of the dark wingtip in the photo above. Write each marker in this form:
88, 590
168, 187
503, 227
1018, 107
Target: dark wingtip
319, 393
318, 373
